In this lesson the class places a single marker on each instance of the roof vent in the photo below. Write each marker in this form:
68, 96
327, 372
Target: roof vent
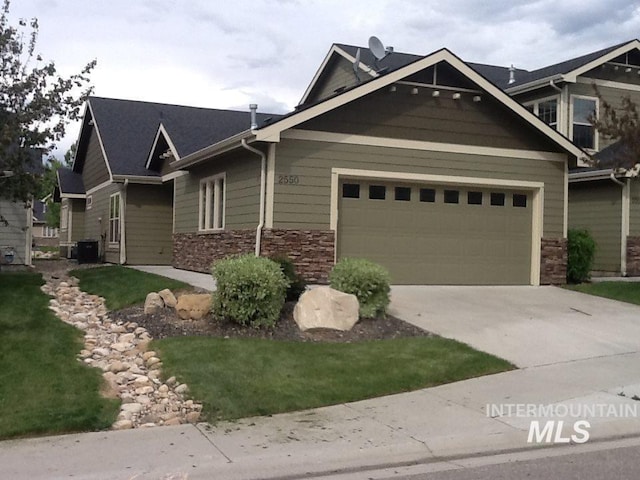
512, 74
254, 122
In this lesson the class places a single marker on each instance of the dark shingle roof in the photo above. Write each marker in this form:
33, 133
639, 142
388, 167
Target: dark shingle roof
128, 128
38, 210
70, 182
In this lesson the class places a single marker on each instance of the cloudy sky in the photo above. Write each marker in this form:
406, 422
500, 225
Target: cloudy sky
227, 54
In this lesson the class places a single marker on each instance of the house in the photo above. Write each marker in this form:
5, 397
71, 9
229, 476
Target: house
43, 235
605, 202
420, 163
120, 188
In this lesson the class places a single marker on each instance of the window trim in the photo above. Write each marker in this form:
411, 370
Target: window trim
89, 202
212, 197
64, 217
113, 219
536, 108
596, 136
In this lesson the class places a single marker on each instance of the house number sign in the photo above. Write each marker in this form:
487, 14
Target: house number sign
288, 179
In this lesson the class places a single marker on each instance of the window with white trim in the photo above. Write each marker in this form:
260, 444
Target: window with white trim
64, 217
49, 232
546, 109
582, 132
89, 202
114, 218
211, 204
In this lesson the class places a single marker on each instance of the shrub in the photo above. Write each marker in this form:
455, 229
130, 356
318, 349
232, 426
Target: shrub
581, 248
250, 290
366, 280
297, 285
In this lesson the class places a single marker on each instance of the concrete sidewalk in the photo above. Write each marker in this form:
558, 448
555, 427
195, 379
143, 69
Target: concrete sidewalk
200, 280
433, 424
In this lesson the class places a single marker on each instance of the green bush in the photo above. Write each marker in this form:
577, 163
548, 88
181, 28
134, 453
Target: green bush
581, 248
250, 290
297, 285
366, 280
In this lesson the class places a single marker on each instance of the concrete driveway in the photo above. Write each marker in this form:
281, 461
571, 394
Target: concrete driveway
529, 326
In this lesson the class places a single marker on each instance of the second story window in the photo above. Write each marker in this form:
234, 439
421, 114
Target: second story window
583, 133
546, 109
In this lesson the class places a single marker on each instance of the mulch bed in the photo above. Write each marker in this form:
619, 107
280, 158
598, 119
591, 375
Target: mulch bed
168, 324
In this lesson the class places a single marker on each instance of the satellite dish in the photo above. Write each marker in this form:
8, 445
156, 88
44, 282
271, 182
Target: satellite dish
377, 48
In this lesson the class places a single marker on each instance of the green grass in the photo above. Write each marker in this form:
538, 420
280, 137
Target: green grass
237, 378
623, 291
44, 389
121, 286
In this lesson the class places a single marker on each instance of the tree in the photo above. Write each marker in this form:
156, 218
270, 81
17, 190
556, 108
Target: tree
36, 105
48, 184
621, 124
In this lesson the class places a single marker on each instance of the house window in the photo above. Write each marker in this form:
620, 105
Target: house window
50, 232
497, 199
114, 218
546, 109
377, 192
427, 195
212, 198
89, 202
451, 196
519, 200
403, 194
474, 198
583, 133
64, 217
350, 190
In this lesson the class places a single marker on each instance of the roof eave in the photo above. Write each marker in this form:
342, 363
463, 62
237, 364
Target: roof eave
591, 175
206, 153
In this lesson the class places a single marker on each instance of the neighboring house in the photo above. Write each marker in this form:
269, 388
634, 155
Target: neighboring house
426, 167
120, 188
563, 96
43, 234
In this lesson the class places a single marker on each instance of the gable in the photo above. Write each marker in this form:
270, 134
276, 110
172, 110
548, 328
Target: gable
90, 159
622, 69
337, 75
409, 110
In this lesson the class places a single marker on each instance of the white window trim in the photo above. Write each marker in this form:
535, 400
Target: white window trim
64, 217
89, 202
536, 104
204, 210
119, 217
596, 136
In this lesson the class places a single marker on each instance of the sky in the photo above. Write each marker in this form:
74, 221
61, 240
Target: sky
228, 54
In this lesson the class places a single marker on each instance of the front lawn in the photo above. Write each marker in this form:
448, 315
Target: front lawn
237, 378
121, 286
624, 291
44, 389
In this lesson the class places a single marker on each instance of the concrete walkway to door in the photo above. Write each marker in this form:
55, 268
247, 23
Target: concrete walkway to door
529, 326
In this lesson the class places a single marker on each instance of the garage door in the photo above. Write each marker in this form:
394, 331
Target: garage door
434, 234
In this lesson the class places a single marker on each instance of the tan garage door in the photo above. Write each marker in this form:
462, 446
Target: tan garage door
440, 235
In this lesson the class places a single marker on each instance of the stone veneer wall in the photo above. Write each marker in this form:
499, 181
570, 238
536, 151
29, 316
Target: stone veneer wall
312, 251
633, 256
553, 261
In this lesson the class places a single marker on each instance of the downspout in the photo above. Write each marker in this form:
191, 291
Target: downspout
554, 86
613, 178
123, 228
263, 176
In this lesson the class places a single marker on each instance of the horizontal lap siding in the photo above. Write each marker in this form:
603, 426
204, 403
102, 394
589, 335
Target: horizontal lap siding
634, 208
13, 234
77, 227
149, 220
340, 74
94, 170
307, 204
242, 193
95, 229
596, 206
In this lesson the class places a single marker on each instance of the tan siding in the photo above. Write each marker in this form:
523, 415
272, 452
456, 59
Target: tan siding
634, 208
149, 223
596, 206
77, 227
307, 205
338, 73
13, 234
545, 92
166, 166
242, 193
64, 231
422, 117
94, 170
95, 229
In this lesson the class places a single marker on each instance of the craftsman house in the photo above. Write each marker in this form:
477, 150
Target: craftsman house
419, 163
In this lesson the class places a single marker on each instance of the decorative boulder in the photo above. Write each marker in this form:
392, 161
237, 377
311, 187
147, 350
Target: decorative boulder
168, 298
153, 303
193, 306
324, 307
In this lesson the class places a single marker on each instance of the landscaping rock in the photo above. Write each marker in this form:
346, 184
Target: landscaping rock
193, 306
168, 298
153, 303
324, 307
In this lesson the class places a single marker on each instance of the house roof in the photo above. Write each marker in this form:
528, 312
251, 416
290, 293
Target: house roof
127, 130
70, 182
38, 211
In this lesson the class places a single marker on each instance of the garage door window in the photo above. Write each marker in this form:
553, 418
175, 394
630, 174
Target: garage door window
427, 195
474, 198
519, 200
351, 190
497, 199
403, 194
377, 192
451, 196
